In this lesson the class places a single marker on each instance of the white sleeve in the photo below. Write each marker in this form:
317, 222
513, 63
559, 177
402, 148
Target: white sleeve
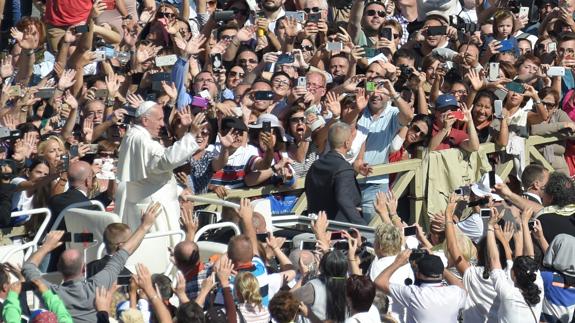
400, 293
396, 143
177, 154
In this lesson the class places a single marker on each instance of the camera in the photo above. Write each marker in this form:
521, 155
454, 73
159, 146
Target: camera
6, 133
7, 176
406, 71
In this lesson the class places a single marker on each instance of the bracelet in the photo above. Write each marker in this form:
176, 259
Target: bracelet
352, 260
538, 102
450, 222
396, 96
153, 297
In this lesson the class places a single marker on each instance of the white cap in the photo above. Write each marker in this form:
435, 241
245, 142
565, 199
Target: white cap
144, 108
482, 189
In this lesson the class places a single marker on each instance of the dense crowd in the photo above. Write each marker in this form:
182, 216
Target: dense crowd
141, 104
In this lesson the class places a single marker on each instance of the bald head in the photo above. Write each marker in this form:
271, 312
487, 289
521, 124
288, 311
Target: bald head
338, 134
71, 264
186, 255
259, 223
240, 249
79, 174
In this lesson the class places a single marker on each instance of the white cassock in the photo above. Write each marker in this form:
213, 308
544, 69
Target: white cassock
145, 175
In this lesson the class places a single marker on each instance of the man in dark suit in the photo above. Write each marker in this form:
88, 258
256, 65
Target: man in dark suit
80, 180
330, 183
115, 235
534, 178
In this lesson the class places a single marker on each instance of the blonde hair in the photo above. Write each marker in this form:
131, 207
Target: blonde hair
466, 246
248, 288
388, 239
42, 146
131, 315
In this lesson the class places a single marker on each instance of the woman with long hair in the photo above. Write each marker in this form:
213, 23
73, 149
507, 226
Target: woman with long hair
249, 299
325, 295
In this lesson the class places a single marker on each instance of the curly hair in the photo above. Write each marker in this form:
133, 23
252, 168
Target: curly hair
283, 307
248, 287
525, 269
561, 189
388, 239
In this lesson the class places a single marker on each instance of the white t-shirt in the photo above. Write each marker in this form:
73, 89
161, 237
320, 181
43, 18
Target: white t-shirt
429, 302
372, 316
399, 276
20, 200
514, 308
472, 227
482, 301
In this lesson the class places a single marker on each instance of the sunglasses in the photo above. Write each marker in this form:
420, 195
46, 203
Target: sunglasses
106, 154
297, 119
309, 10
418, 130
236, 74
168, 15
227, 37
245, 61
307, 48
372, 13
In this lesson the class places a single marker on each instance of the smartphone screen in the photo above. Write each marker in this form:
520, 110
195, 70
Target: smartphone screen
485, 213
205, 218
267, 126
410, 231
307, 245
83, 237
492, 179
337, 235
262, 237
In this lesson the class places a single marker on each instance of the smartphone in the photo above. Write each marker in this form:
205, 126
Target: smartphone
370, 86
410, 231
157, 79
341, 245
99, 56
65, 162
531, 225
463, 190
264, 95
285, 58
224, 15
216, 60
338, 235
15, 90
93, 149
267, 126
307, 245
262, 237
83, 237
515, 87
45, 92
299, 16
74, 151
205, 218
81, 29
67, 237
436, 31
123, 280
198, 101
334, 46
493, 71
556, 71
386, 33
485, 213
302, 82
110, 4
101, 93
314, 17
458, 115
524, 12
492, 178
166, 60
506, 46
498, 107
551, 47
370, 52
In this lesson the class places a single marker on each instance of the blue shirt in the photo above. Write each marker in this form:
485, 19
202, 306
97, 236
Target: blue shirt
178, 76
380, 133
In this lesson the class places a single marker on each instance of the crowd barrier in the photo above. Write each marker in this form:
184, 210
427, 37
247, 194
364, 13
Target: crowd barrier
426, 179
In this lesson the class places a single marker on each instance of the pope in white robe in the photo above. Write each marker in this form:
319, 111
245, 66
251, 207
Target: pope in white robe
145, 170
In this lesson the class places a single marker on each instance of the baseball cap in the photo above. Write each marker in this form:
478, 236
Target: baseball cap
445, 102
233, 123
430, 266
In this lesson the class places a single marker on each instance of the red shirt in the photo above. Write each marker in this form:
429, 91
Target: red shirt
453, 140
64, 13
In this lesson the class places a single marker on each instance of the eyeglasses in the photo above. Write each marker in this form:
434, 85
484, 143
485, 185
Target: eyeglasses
236, 74
280, 82
372, 13
297, 119
314, 86
205, 133
313, 9
227, 37
305, 48
418, 130
245, 61
548, 104
164, 14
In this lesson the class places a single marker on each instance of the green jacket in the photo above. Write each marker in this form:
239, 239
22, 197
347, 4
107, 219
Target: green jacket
12, 312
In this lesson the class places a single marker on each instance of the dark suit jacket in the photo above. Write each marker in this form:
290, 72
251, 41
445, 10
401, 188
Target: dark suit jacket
330, 185
59, 202
531, 198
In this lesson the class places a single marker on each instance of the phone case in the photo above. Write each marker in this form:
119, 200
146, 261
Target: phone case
458, 115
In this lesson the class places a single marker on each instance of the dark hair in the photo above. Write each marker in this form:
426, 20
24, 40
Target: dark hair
190, 312
27, 127
333, 268
485, 94
525, 270
4, 278
283, 307
164, 284
360, 292
282, 73
531, 173
37, 161
527, 57
403, 53
483, 256
567, 37
550, 91
560, 188
429, 122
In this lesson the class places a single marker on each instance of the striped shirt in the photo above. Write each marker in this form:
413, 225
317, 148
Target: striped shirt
233, 174
380, 133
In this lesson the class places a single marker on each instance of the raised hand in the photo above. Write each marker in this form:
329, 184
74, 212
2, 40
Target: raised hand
135, 100
170, 90
103, 299
88, 129
67, 80
113, 84
198, 122
98, 8
151, 213
24, 41
6, 68
246, 33
193, 46
333, 104
185, 117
